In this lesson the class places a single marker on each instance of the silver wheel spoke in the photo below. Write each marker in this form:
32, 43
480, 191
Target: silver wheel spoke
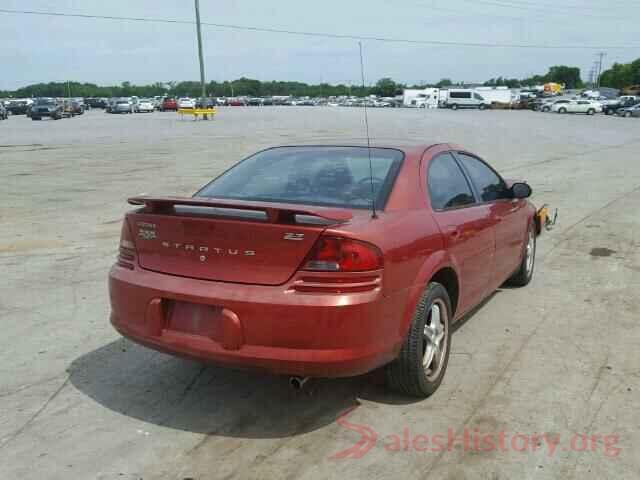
437, 354
434, 334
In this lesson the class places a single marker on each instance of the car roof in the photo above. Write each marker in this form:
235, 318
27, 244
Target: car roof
406, 146
413, 150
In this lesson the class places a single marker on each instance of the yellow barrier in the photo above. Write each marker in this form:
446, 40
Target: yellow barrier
204, 113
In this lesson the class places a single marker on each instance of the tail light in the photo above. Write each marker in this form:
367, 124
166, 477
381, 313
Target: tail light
127, 251
336, 254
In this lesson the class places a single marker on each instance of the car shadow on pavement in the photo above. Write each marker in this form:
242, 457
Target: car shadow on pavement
185, 395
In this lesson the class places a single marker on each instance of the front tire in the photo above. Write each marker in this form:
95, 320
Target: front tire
562, 110
482, 106
524, 274
421, 365
591, 111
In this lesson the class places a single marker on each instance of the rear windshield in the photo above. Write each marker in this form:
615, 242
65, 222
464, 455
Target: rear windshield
326, 176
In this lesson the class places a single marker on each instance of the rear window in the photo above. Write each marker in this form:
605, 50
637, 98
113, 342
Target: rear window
325, 176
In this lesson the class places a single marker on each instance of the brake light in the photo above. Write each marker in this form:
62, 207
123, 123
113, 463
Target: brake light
127, 251
336, 254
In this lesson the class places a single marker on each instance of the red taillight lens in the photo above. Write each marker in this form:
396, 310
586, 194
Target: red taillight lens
127, 251
335, 254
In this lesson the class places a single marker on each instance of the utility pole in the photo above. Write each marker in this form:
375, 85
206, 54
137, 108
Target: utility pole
202, 85
601, 55
594, 74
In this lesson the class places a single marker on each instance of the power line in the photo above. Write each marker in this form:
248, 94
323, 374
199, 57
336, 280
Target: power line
337, 36
547, 9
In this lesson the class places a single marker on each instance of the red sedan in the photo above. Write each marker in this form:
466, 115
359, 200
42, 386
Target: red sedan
324, 261
169, 104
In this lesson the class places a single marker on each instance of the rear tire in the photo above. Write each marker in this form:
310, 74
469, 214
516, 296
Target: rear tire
423, 359
591, 111
454, 107
627, 114
524, 274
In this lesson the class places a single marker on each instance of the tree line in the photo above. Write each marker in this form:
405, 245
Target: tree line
619, 76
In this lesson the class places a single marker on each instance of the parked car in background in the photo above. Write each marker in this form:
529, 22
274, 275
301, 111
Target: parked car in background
96, 102
186, 102
548, 105
157, 102
145, 105
135, 102
463, 98
123, 105
630, 111
578, 106
76, 107
206, 103
622, 103
19, 107
47, 107
169, 104
297, 252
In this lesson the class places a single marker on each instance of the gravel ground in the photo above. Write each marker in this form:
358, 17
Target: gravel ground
559, 358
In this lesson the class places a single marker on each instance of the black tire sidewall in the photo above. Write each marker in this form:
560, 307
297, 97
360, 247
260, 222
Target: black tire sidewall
521, 277
407, 373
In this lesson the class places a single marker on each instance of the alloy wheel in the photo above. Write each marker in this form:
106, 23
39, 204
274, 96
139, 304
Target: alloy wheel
436, 329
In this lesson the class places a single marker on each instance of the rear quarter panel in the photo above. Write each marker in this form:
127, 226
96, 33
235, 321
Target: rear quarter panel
408, 236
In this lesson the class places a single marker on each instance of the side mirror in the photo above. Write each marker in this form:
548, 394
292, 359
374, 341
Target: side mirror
521, 190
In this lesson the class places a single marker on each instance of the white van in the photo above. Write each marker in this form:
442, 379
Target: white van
464, 98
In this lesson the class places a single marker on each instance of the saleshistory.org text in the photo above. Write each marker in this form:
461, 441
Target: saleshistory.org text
473, 440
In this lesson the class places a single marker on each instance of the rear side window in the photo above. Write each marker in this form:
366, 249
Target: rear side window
488, 184
460, 95
448, 188
315, 175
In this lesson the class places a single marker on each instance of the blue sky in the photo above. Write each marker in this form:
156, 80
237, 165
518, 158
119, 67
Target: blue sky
39, 49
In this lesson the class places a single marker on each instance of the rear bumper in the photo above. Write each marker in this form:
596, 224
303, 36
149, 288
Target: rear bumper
270, 328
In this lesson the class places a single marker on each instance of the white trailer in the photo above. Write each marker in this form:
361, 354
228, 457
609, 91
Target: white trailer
495, 94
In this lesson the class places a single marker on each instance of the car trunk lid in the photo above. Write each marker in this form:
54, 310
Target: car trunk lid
227, 240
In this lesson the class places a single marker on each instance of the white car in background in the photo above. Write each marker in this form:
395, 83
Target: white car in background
186, 103
547, 106
145, 105
578, 106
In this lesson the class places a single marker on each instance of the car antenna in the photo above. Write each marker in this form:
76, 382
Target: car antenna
366, 126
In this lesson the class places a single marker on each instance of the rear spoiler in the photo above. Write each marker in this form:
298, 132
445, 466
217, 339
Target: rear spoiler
275, 212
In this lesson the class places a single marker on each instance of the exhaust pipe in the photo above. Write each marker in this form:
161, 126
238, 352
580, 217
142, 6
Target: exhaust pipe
297, 383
